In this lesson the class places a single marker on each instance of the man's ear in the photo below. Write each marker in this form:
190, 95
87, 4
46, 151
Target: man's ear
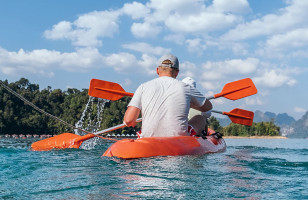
157, 71
176, 73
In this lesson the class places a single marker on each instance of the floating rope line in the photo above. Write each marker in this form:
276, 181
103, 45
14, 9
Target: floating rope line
40, 110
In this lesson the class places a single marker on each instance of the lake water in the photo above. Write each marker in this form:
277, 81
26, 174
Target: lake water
248, 169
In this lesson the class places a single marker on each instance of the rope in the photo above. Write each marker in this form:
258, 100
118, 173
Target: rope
40, 110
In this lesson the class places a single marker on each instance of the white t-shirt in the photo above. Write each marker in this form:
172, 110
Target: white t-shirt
164, 103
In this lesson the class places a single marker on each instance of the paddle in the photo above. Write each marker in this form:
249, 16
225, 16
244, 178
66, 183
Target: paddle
107, 90
69, 140
239, 116
237, 89
113, 91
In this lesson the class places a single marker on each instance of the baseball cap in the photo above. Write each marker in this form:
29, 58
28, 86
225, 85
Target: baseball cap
169, 60
190, 81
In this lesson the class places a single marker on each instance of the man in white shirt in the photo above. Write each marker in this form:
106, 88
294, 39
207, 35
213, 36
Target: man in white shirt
164, 103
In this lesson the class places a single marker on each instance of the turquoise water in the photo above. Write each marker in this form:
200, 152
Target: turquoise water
249, 169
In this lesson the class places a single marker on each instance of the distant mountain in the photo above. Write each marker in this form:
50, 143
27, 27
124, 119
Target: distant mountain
264, 117
284, 119
298, 129
224, 121
289, 126
280, 120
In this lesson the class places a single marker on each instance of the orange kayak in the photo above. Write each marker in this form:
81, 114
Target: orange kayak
165, 146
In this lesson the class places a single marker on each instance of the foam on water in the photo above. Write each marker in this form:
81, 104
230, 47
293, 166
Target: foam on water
90, 120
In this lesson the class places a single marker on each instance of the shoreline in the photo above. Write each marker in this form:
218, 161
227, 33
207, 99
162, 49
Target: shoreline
255, 137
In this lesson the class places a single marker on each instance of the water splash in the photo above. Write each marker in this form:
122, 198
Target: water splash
90, 120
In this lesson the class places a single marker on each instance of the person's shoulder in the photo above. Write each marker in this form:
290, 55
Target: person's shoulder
185, 85
150, 81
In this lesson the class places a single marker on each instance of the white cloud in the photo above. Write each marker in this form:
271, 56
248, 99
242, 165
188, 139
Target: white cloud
277, 45
200, 22
142, 30
126, 62
121, 61
187, 69
300, 110
237, 6
87, 29
209, 85
136, 10
175, 38
224, 69
82, 59
43, 62
59, 31
163, 9
289, 18
150, 19
274, 78
146, 48
253, 101
36, 61
7, 70
187, 16
148, 64
195, 46
295, 38
215, 74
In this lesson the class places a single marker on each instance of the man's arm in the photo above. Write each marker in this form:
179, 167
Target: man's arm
206, 106
199, 102
131, 115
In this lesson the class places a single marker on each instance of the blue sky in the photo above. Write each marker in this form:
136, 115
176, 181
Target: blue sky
64, 44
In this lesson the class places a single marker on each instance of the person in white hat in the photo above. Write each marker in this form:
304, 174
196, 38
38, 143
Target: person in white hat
196, 116
164, 103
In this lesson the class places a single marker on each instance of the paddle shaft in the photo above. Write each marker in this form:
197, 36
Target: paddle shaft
222, 94
88, 136
231, 114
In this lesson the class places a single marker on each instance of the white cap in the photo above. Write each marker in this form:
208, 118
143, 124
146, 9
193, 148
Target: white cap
169, 60
189, 81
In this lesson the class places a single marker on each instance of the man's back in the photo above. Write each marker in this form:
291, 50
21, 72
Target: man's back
164, 106
164, 102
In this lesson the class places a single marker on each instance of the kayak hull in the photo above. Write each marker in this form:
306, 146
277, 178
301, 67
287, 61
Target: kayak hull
165, 146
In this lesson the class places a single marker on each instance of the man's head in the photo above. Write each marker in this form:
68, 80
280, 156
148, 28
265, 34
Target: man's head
169, 60
168, 65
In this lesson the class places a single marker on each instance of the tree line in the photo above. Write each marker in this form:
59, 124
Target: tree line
257, 129
17, 117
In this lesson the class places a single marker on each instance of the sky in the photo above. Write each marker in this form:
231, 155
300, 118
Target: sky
64, 44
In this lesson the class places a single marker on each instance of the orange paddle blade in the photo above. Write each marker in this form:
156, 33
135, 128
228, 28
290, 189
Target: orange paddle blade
70, 140
62, 141
107, 90
238, 89
240, 116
